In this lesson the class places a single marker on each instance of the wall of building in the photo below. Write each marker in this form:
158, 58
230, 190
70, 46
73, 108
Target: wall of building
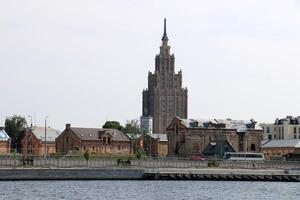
67, 142
277, 151
282, 131
5, 147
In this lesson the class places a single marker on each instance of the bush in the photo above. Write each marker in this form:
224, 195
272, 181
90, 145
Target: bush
213, 163
141, 154
86, 155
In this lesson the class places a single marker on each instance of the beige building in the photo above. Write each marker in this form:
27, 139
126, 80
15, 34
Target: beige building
282, 129
214, 137
278, 148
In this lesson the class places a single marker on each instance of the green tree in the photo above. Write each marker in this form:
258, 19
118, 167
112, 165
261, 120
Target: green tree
129, 128
132, 126
113, 125
87, 155
15, 127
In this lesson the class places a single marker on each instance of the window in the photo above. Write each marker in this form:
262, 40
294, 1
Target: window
104, 140
269, 137
177, 129
268, 129
119, 147
83, 147
295, 130
252, 147
93, 148
108, 140
241, 138
295, 136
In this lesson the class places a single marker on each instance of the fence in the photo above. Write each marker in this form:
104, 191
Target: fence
42, 162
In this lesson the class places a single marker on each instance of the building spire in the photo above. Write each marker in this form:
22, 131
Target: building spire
165, 37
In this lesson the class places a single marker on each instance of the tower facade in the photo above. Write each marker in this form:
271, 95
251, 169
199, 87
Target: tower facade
165, 98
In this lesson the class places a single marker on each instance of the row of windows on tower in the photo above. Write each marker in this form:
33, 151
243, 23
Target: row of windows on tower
280, 129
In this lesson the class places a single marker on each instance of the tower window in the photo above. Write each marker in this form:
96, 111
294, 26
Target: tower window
177, 129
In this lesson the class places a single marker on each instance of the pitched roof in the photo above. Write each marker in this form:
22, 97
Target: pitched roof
240, 125
3, 135
93, 133
39, 132
282, 143
162, 137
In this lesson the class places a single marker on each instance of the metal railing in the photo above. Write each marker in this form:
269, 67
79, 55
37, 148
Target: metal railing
80, 162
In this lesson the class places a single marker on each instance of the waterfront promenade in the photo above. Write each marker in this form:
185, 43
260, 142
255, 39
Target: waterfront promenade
149, 169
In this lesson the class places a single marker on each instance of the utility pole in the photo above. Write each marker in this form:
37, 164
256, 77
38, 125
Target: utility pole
46, 136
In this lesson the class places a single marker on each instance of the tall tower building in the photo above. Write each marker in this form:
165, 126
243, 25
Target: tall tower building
165, 98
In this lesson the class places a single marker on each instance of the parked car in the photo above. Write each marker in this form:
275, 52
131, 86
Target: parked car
196, 158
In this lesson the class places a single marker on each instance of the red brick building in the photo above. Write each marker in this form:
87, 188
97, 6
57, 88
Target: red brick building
33, 142
212, 137
95, 140
159, 144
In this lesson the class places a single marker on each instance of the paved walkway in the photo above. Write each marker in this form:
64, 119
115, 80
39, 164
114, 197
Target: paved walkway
216, 171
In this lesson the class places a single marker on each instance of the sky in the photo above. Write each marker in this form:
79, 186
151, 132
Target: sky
85, 62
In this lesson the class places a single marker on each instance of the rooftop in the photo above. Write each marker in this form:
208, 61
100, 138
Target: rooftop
93, 133
162, 136
39, 132
288, 119
282, 143
3, 135
240, 125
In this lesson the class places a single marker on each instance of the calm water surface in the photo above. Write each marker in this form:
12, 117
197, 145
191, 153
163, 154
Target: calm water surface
162, 190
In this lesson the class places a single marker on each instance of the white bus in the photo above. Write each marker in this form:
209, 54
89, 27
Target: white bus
243, 156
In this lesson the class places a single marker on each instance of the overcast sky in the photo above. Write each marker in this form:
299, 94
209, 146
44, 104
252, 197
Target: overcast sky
83, 62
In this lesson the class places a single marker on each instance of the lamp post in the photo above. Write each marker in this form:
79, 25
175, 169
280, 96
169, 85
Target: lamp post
30, 116
46, 136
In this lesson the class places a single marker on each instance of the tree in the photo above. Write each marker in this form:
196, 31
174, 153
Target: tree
87, 155
15, 127
129, 128
113, 125
132, 126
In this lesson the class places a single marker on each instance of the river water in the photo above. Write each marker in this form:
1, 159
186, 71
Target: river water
146, 190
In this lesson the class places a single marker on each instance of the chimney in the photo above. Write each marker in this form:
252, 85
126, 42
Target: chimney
68, 126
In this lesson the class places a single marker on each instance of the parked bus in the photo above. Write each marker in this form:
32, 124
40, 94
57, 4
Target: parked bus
243, 156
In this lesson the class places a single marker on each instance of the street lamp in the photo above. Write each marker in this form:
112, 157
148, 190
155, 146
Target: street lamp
46, 136
30, 116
